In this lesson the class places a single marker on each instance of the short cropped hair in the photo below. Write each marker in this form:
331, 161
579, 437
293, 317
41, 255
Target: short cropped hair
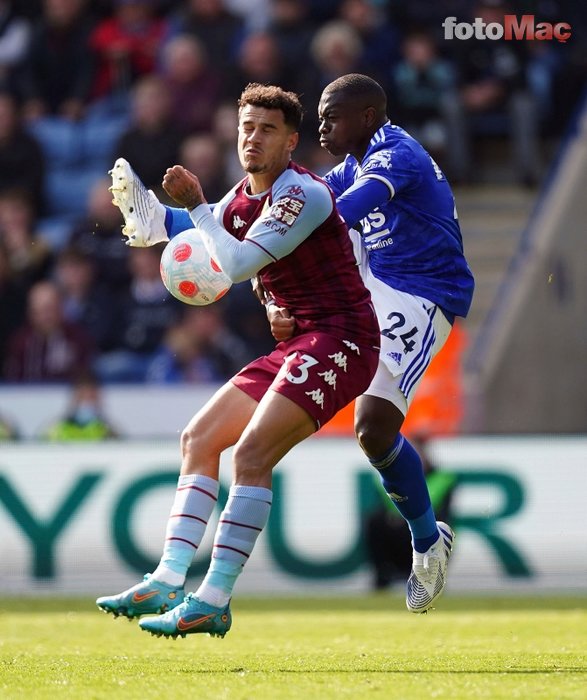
359, 87
273, 97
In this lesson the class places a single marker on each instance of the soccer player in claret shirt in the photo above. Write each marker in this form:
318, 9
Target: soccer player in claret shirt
281, 223
403, 220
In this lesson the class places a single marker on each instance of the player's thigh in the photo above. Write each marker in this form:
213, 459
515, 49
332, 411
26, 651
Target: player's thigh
399, 387
276, 426
220, 422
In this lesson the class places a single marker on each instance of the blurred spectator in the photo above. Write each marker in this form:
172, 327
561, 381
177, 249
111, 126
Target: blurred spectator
387, 536
12, 303
127, 46
59, 70
194, 85
151, 143
47, 348
29, 257
225, 132
380, 39
259, 60
203, 156
493, 99
98, 235
292, 28
22, 162
85, 302
219, 30
84, 420
15, 34
254, 13
146, 312
421, 83
199, 348
336, 49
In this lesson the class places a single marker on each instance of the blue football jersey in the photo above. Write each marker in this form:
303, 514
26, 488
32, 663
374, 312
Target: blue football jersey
413, 236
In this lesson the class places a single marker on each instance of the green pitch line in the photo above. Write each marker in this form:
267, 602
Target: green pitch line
312, 649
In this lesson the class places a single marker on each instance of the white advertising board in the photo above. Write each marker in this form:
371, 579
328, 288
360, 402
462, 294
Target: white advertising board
90, 518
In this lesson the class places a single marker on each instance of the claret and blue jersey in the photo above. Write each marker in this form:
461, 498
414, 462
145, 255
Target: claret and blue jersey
399, 199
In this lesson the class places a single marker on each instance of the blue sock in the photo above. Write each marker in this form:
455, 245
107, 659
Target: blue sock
176, 221
402, 476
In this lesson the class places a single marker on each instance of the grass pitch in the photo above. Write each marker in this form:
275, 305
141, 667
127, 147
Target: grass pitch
309, 649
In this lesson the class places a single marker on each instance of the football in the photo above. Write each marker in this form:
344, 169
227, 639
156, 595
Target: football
189, 273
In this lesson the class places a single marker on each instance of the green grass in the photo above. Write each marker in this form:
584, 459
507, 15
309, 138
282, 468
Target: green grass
308, 649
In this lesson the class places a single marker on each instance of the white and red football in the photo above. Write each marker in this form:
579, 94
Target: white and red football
189, 273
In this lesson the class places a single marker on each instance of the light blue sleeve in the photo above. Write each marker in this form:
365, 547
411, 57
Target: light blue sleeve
300, 205
239, 260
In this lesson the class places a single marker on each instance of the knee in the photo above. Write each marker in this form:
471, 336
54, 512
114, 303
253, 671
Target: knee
190, 442
374, 440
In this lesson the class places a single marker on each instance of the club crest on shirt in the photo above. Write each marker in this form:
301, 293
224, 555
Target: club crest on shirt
380, 159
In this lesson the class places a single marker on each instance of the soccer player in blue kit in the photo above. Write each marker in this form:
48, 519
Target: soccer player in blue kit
403, 220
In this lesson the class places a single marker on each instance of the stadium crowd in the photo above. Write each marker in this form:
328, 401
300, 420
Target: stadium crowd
156, 82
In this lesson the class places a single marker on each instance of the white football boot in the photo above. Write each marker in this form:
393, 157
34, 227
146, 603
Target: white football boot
144, 215
428, 576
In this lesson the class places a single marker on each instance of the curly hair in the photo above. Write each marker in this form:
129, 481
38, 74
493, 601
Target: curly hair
274, 97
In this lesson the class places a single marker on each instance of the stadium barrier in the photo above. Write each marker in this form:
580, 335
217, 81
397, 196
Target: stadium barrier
90, 518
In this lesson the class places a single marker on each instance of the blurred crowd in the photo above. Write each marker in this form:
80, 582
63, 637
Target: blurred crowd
156, 81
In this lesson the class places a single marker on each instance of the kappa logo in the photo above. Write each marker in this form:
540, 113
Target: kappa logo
352, 346
317, 396
329, 376
237, 222
296, 191
339, 359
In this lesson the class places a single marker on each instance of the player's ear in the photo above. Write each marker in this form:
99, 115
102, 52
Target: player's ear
369, 116
293, 141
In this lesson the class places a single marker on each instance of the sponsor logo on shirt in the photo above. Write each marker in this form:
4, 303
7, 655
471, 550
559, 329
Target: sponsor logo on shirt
286, 210
274, 226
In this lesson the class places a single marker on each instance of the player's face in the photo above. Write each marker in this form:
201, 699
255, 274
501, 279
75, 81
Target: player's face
341, 124
265, 141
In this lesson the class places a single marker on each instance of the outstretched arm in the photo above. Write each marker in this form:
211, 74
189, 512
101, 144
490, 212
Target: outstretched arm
239, 260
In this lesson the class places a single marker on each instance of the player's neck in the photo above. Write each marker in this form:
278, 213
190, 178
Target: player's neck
262, 182
361, 149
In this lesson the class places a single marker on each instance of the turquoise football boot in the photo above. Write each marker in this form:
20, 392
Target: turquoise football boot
147, 597
193, 616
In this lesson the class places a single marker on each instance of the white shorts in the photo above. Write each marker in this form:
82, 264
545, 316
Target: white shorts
413, 330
